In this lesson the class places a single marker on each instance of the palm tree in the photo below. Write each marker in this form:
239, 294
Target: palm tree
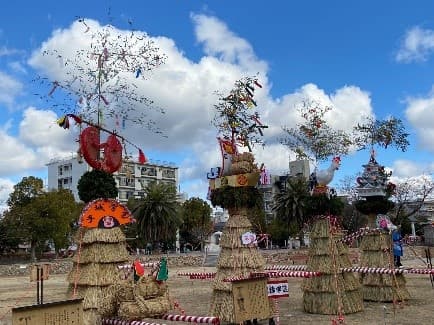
158, 213
289, 204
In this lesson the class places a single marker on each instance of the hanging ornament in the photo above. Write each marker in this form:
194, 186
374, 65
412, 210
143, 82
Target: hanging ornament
90, 147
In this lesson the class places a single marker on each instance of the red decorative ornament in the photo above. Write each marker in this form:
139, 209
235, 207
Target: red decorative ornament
90, 148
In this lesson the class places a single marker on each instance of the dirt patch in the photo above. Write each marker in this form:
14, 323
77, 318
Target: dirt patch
194, 296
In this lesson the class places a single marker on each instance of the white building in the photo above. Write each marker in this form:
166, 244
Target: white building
65, 173
131, 179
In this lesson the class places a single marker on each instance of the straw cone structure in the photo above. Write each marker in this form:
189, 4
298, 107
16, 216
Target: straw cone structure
333, 292
235, 260
377, 252
95, 271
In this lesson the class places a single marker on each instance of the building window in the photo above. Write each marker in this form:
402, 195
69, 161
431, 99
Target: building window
149, 171
125, 181
168, 173
60, 170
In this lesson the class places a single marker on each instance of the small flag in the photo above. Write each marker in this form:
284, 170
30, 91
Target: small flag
142, 158
139, 270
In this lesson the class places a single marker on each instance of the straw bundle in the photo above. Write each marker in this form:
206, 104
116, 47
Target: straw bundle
225, 273
235, 260
241, 258
124, 290
95, 274
103, 253
385, 280
323, 284
376, 242
102, 235
327, 302
377, 252
385, 294
91, 317
320, 229
238, 220
376, 259
148, 287
223, 305
141, 308
333, 291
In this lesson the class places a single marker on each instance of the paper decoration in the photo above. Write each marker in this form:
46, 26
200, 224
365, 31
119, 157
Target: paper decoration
277, 289
104, 213
228, 150
383, 222
248, 238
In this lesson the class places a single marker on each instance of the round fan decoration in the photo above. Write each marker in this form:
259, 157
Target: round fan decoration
105, 213
90, 147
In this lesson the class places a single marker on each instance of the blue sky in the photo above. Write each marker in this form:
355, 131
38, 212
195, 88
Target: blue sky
362, 58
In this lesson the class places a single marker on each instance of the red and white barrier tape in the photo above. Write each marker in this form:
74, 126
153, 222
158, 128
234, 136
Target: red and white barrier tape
286, 267
359, 233
193, 319
130, 266
198, 275
293, 274
114, 321
379, 270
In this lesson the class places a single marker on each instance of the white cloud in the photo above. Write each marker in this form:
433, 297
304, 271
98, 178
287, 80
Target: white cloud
406, 168
16, 157
420, 114
221, 42
6, 187
5, 51
417, 45
38, 128
9, 89
17, 67
185, 89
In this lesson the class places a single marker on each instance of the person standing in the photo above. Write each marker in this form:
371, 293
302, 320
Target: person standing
397, 246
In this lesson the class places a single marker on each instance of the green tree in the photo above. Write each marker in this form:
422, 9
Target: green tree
279, 231
96, 184
384, 133
197, 224
9, 234
157, 214
25, 191
314, 139
290, 203
41, 216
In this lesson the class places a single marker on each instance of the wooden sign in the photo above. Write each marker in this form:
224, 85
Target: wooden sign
250, 300
67, 312
44, 271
